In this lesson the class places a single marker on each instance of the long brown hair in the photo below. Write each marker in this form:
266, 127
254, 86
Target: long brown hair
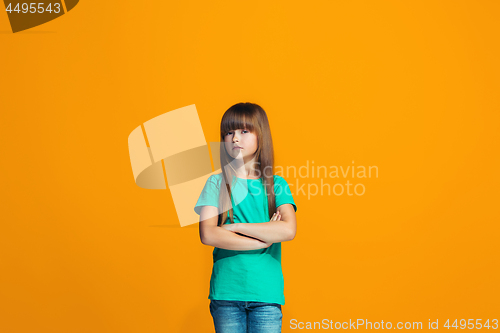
253, 118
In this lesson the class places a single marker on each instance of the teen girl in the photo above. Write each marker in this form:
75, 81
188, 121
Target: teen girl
247, 285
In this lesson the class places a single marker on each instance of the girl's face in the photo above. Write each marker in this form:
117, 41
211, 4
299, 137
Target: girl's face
246, 140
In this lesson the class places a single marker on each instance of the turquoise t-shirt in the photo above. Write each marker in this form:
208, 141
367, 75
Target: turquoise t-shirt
253, 275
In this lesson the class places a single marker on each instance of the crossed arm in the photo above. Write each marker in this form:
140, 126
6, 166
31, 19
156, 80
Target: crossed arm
233, 236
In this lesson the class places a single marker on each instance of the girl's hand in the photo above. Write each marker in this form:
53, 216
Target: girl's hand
276, 217
266, 245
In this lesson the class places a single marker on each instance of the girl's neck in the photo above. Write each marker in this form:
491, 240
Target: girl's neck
247, 170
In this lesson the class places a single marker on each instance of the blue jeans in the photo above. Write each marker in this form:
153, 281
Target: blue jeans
243, 317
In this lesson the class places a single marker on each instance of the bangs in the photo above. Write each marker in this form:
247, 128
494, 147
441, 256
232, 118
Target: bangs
237, 120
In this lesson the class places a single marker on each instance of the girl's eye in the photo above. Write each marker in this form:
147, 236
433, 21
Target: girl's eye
242, 131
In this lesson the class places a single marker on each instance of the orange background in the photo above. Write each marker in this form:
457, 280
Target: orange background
410, 87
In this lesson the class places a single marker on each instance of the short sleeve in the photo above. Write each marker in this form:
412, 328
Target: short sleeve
282, 192
209, 196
